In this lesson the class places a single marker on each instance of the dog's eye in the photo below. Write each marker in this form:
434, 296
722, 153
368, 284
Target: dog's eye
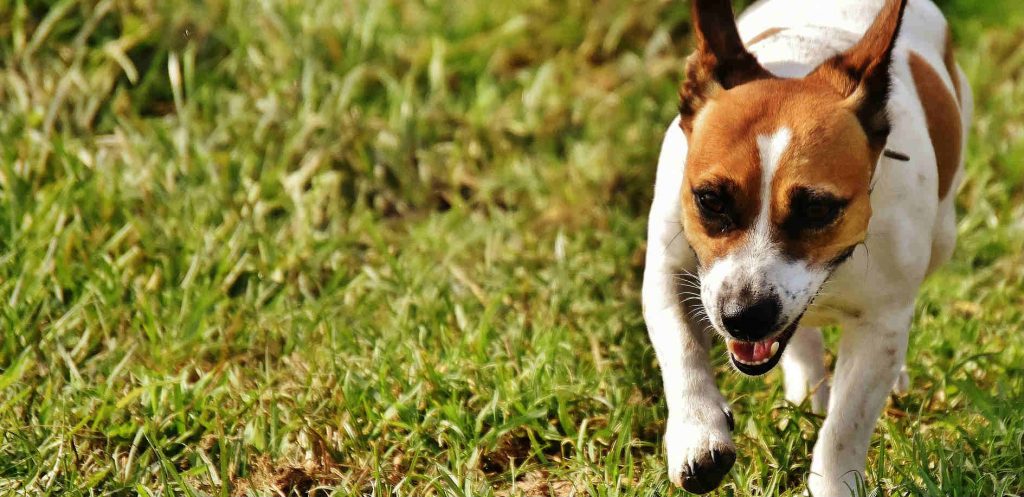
711, 202
716, 209
812, 210
820, 212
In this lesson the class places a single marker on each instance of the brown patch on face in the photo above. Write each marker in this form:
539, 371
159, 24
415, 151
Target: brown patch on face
719, 158
764, 35
828, 152
831, 157
943, 116
949, 57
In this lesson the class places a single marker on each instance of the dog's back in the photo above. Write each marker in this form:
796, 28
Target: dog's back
924, 28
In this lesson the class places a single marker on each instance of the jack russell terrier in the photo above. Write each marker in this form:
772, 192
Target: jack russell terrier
808, 180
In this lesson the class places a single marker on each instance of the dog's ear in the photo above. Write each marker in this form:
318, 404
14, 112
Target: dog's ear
720, 61
861, 73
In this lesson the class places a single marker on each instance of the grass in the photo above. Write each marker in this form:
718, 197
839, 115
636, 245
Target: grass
393, 247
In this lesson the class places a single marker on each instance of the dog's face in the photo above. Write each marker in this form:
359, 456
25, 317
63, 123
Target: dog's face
775, 196
776, 192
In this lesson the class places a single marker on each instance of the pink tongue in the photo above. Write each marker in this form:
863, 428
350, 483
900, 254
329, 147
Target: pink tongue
751, 351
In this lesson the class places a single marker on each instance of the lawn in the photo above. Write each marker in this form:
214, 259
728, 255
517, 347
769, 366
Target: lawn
394, 248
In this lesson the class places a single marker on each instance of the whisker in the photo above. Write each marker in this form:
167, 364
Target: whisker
673, 240
700, 314
698, 317
686, 279
692, 294
687, 275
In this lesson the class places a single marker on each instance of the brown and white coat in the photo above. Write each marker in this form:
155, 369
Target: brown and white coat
777, 211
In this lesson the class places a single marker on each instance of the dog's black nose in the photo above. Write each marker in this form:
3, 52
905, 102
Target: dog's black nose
755, 321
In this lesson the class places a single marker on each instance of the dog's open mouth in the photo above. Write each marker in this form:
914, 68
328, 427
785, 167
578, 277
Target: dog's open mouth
758, 358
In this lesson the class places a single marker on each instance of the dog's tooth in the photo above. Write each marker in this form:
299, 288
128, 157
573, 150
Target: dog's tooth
775, 349
745, 363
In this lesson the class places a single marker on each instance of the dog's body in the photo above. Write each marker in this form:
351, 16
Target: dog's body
879, 247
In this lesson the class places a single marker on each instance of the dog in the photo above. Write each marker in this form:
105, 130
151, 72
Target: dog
807, 181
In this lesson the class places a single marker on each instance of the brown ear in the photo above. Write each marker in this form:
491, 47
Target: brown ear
861, 74
720, 61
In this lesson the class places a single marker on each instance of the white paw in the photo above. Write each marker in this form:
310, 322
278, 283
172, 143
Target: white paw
699, 445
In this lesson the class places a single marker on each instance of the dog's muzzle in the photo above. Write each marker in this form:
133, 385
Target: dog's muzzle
754, 339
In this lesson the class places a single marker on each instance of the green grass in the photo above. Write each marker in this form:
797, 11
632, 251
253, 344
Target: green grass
393, 247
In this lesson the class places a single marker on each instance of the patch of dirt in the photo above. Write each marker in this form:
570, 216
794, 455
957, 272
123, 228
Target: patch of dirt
513, 448
539, 484
305, 479
311, 477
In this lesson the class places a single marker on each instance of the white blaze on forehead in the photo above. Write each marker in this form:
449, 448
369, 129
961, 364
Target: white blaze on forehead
770, 149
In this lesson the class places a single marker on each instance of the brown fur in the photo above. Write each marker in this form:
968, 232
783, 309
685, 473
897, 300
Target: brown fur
764, 35
715, 157
836, 115
943, 115
828, 151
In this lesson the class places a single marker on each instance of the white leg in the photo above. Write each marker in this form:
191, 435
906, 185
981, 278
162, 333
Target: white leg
803, 365
698, 442
870, 357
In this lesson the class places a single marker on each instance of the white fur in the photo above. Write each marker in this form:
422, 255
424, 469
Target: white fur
871, 296
804, 367
697, 421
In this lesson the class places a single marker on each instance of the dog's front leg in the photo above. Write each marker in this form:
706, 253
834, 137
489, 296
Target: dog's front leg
697, 439
870, 357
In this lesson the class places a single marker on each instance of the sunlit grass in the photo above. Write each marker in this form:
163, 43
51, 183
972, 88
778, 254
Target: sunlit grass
394, 247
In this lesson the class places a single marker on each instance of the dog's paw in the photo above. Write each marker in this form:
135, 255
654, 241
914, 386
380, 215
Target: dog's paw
699, 446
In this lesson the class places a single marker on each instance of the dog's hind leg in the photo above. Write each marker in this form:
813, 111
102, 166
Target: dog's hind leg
870, 357
803, 365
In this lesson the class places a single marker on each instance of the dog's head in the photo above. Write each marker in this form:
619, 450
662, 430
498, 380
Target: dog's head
778, 175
